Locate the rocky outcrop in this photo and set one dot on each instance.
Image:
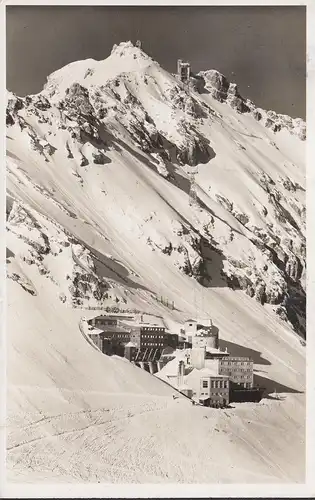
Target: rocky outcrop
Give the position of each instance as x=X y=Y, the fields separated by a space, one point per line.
x=216 y=84
x=23 y=282
x=224 y=91
x=235 y=100
x=77 y=102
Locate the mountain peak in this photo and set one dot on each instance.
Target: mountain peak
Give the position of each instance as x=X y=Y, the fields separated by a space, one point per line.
x=124 y=58
x=127 y=48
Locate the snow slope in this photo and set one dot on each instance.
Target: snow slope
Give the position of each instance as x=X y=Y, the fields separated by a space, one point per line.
x=99 y=216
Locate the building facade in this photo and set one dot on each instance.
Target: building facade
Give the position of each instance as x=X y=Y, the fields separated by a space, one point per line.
x=214 y=391
x=239 y=370
x=205 y=338
x=171 y=340
x=183 y=70
x=117 y=334
x=111 y=340
x=148 y=336
x=109 y=320
x=201 y=333
x=130 y=350
x=197 y=358
x=102 y=321
x=97 y=339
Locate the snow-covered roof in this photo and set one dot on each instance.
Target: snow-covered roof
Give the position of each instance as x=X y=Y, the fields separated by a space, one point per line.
x=130 y=344
x=147 y=325
x=210 y=370
x=115 y=316
x=214 y=350
x=200 y=321
x=115 y=329
x=95 y=331
x=203 y=398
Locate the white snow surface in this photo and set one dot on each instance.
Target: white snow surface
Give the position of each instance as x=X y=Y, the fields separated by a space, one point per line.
x=75 y=414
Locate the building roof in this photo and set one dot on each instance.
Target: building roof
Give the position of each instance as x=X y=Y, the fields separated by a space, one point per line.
x=95 y=331
x=204 y=332
x=214 y=350
x=146 y=319
x=209 y=371
x=237 y=358
x=115 y=329
x=200 y=321
x=115 y=316
x=130 y=344
x=147 y=325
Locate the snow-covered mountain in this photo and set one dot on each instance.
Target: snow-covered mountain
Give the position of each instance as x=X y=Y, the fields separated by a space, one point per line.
x=98 y=217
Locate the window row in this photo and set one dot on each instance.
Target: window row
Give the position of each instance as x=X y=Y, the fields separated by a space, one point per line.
x=236 y=370
x=147 y=336
x=219 y=384
x=146 y=328
x=242 y=363
x=153 y=344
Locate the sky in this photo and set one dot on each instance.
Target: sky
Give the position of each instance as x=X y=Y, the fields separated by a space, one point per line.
x=262 y=49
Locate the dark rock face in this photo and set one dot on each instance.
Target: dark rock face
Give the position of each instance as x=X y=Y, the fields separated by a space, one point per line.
x=196 y=152
x=41 y=103
x=235 y=100
x=197 y=83
x=84 y=161
x=77 y=100
x=84 y=285
x=216 y=84
x=224 y=91
x=15 y=104
x=99 y=158
x=257 y=115
x=9 y=119
x=69 y=152
x=24 y=284
x=280 y=281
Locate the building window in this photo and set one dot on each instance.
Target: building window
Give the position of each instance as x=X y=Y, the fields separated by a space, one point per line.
x=205 y=384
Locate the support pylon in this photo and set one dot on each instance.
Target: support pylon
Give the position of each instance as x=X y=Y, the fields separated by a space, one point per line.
x=193 y=198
